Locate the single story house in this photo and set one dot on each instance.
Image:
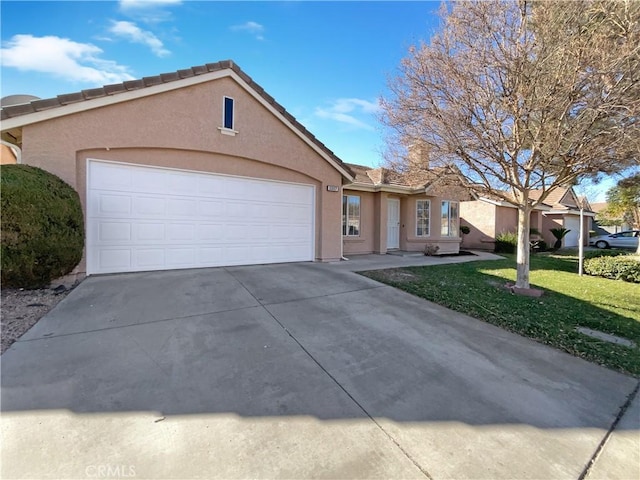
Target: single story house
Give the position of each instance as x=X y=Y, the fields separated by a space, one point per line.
x=201 y=167
x=407 y=211
x=621 y=224
x=487 y=217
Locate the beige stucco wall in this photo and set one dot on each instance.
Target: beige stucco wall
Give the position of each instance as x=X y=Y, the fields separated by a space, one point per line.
x=487 y=220
x=409 y=241
x=364 y=243
x=373 y=225
x=179 y=129
x=506 y=220
x=480 y=217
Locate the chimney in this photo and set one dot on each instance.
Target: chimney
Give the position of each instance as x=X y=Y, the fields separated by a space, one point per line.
x=418 y=158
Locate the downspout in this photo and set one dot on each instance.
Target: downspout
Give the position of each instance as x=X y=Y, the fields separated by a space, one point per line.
x=15 y=149
x=342 y=257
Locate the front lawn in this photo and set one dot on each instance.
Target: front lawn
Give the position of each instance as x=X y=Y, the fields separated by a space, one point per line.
x=477 y=289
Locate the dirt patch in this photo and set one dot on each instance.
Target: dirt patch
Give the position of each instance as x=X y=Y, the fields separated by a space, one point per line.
x=21 y=309
x=396 y=275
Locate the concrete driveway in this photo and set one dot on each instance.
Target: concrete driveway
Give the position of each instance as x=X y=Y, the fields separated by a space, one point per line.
x=298 y=371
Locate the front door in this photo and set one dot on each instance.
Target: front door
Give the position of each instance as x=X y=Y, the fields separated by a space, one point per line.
x=393 y=223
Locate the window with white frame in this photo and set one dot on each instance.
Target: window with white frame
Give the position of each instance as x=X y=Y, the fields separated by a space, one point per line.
x=351 y=215
x=449 y=219
x=422 y=217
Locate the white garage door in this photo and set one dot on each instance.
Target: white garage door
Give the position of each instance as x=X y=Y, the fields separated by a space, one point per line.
x=571 y=239
x=144 y=218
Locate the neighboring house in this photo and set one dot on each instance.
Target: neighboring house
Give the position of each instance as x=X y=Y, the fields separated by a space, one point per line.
x=606 y=229
x=8 y=154
x=201 y=167
x=385 y=210
x=9 y=151
x=488 y=217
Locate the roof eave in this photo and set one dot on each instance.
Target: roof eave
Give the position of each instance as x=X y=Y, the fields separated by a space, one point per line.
x=19 y=121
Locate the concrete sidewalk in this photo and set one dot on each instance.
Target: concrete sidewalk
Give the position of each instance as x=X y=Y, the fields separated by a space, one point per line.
x=297 y=371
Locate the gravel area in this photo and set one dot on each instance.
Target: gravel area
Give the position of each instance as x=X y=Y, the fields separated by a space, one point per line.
x=21 y=309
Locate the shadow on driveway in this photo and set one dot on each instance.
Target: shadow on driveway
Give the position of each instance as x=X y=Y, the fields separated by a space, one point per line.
x=299 y=370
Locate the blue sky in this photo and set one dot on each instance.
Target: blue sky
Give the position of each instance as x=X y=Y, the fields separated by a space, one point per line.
x=327 y=63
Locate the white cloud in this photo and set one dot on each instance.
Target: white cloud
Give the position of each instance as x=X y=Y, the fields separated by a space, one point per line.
x=253 y=28
x=347 y=111
x=149 y=11
x=130 y=31
x=133 y=4
x=63 y=58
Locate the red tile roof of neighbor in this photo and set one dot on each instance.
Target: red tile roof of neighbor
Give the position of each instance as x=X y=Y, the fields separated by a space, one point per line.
x=13 y=111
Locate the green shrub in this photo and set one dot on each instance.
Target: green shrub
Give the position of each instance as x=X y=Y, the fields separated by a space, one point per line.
x=620 y=267
x=506 y=242
x=42 y=227
x=559 y=233
x=610 y=252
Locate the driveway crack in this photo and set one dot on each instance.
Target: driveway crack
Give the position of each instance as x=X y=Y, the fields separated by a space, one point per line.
x=594 y=458
x=334 y=379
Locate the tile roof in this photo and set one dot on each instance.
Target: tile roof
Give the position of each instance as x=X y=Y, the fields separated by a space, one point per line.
x=360 y=173
x=555 y=200
x=599 y=206
x=556 y=197
x=13 y=111
x=414 y=179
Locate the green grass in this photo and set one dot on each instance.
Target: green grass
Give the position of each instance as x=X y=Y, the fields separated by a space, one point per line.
x=477 y=289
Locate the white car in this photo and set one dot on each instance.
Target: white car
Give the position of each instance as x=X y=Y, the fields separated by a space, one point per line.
x=628 y=239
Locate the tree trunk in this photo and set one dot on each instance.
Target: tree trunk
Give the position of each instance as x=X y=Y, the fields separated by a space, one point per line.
x=522 y=279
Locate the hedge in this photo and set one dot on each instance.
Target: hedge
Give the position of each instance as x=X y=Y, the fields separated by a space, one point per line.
x=621 y=267
x=42 y=227
x=506 y=242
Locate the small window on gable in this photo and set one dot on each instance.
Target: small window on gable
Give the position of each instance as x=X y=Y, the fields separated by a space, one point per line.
x=227 y=115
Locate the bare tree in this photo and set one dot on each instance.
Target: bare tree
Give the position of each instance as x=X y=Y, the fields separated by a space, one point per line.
x=523 y=96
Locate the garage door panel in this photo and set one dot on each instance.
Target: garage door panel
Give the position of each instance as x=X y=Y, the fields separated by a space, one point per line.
x=114 y=259
x=181 y=232
x=181 y=184
x=182 y=207
x=572 y=238
x=149 y=206
x=209 y=208
x=150 y=181
x=111 y=177
x=210 y=186
x=105 y=204
x=162 y=219
x=183 y=257
x=211 y=255
x=210 y=232
x=115 y=232
x=145 y=232
x=150 y=257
